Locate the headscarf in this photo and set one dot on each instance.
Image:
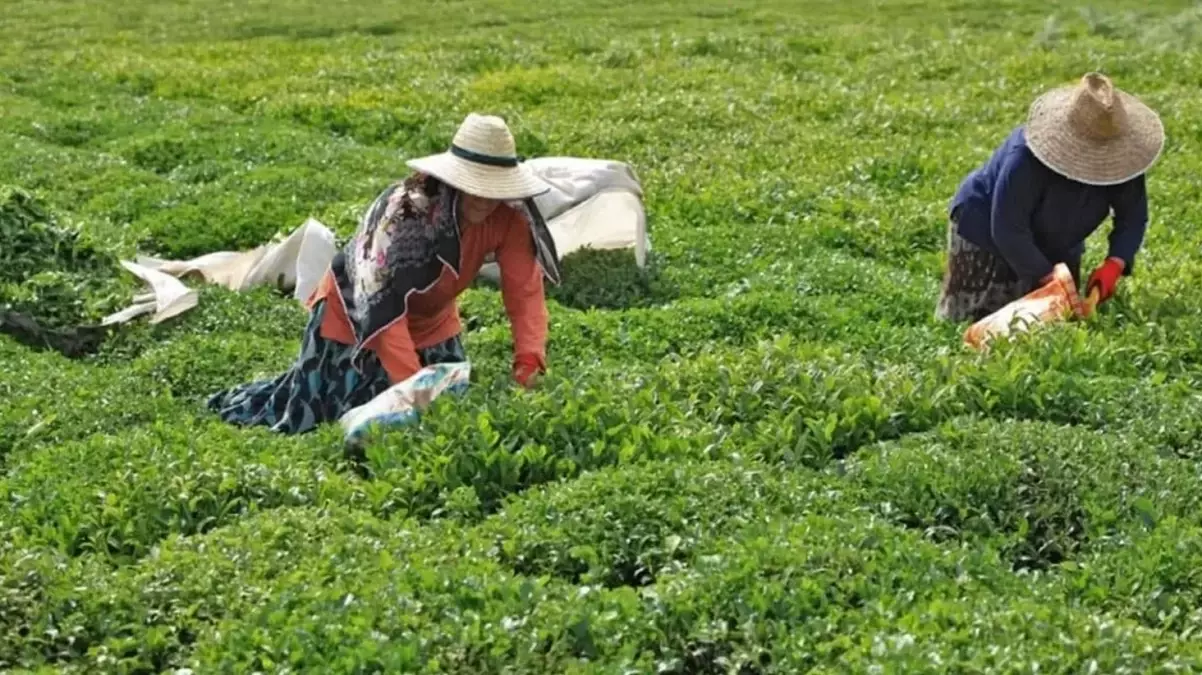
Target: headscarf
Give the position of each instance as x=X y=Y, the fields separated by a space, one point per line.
x=404 y=239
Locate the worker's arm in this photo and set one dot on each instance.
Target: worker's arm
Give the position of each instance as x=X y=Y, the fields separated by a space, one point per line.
x=522 y=292
x=1015 y=196
x=1130 y=205
x=396 y=351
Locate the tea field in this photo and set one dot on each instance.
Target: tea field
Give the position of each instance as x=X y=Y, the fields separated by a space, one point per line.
x=760 y=455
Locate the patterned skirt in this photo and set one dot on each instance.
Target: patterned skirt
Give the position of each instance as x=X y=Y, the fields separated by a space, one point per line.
x=976 y=283
x=319 y=387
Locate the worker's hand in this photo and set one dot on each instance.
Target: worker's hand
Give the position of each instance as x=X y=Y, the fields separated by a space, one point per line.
x=526 y=368
x=1106 y=278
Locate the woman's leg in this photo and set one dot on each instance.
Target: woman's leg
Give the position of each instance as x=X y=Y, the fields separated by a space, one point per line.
x=448 y=351
x=320 y=386
x=976 y=283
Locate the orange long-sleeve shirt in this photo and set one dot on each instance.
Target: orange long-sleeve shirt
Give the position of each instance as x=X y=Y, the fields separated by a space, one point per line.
x=433 y=316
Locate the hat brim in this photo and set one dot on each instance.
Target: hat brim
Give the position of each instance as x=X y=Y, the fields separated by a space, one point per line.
x=1053 y=139
x=505 y=183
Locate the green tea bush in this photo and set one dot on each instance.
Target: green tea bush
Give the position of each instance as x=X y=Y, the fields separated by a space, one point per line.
x=49 y=399
x=447 y=614
x=989 y=635
x=194 y=367
x=29 y=581
x=789 y=595
x=452 y=611
x=497 y=442
x=181 y=476
x=623 y=526
x=148 y=614
x=784 y=597
x=152 y=610
x=827 y=592
x=1037 y=491
x=218 y=221
x=185 y=605
x=653 y=334
x=1150 y=576
x=260 y=313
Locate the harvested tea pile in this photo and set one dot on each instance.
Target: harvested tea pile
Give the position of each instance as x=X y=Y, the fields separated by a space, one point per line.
x=54 y=283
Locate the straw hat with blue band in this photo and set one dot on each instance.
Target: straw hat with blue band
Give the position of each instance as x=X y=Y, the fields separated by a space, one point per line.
x=483 y=161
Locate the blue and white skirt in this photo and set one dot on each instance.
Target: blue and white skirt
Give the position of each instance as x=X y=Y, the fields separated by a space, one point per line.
x=320 y=386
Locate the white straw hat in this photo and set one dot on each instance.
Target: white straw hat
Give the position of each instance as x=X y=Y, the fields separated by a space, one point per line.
x=483 y=161
x=1094 y=133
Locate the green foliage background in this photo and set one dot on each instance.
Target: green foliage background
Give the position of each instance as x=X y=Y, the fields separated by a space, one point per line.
x=760 y=456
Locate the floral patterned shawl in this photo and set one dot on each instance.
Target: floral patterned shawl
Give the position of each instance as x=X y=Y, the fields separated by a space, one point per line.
x=405 y=237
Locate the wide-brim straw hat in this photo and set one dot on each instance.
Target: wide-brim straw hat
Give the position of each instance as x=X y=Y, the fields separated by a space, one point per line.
x=483 y=161
x=1094 y=133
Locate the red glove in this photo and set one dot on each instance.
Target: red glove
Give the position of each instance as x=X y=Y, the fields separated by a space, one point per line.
x=525 y=368
x=1106 y=278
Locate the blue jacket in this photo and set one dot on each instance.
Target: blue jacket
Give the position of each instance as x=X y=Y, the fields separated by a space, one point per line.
x=1016 y=207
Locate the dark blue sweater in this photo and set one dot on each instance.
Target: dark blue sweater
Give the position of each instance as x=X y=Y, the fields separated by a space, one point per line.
x=1016 y=207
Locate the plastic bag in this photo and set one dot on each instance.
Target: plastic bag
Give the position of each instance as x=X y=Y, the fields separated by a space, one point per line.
x=168 y=297
x=1055 y=301
x=403 y=403
x=296 y=263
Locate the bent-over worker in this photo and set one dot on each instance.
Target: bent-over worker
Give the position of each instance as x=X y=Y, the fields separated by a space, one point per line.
x=386 y=308
x=1080 y=157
